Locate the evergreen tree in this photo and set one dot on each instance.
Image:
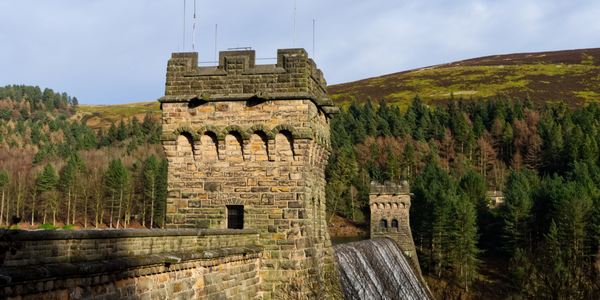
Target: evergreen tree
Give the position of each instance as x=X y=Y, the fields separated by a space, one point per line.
x=460 y=129
x=408 y=158
x=4 y=182
x=465 y=239
x=47 y=180
x=475 y=189
x=150 y=176
x=153 y=138
x=517 y=211
x=148 y=124
x=393 y=168
x=116 y=179
x=122 y=132
x=161 y=193
x=46 y=185
x=66 y=183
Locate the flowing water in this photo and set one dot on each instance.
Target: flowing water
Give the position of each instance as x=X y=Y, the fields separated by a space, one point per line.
x=376 y=269
x=336 y=240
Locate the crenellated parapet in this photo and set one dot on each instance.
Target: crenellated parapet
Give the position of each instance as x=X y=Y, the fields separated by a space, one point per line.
x=239 y=78
x=390 y=207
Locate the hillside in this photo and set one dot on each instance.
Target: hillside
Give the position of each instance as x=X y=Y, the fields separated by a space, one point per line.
x=571 y=76
x=103 y=115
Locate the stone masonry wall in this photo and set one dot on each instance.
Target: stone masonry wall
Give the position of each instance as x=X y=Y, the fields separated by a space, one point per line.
x=133 y=264
x=391 y=203
x=255 y=136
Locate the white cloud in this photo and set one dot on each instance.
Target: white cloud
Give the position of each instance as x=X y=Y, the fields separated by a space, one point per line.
x=116 y=51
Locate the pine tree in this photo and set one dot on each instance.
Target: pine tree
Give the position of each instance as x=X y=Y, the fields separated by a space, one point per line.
x=527 y=103
x=4 y=181
x=393 y=168
x=46 y=185
x=47 y=180
x=474 y=187
x=111 y=135
x=408 y=158
x=460 y=129
x=67 y=178
x=465 y=239
x=122 y=132
x=553 y=150
x=116 y=179
x=161 y=193
x=153 y=138
x=517 y=211
x=150 y=176
x=148 y=124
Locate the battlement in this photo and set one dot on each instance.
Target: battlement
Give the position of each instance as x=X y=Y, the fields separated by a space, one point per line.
x=389 y=188
x=238 y=77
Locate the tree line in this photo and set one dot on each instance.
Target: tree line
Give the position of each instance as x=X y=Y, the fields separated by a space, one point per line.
x=56 y=169
x=544 y=159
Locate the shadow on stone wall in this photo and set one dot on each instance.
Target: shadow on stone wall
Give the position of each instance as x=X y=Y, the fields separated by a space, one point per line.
x=132 y=264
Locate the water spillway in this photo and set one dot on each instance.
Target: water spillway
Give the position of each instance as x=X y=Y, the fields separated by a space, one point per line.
x=376 y=269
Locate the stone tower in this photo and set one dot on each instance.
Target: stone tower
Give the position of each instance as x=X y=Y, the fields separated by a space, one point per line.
x=247 y=147
x=390 y=206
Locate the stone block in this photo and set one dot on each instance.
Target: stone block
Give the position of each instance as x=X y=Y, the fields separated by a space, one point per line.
x=296 y=176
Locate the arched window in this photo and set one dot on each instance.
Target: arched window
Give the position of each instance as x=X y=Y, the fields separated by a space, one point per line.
x=284 y=146
x=185 y=146
x=233 y=147
x=383 y=224
x=210 y=152
x=394 y=223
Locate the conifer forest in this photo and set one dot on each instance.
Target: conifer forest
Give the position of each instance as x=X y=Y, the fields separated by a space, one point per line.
x=543 y=158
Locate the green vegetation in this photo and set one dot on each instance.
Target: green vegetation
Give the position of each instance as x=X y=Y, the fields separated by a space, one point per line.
x=546 y=160
x=568 y=76
x=54 y=165
x=97 y=116
x=47 y=226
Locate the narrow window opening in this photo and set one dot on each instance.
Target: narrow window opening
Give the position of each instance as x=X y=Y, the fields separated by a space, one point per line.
x=383 y=224
x=394 y=223
x=235 y=216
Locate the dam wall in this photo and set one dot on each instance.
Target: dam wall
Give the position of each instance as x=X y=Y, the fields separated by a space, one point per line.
x=131 y=264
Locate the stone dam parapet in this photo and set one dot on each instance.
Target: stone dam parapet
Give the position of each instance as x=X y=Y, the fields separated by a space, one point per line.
x=133 y=264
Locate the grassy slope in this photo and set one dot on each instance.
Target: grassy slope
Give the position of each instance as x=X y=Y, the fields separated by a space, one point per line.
x=102 y=115
x=572 y=76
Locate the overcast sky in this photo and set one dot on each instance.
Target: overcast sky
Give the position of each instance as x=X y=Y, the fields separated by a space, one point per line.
x=113 y=51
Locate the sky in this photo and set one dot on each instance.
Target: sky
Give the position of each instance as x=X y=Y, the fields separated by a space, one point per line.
x=116 y=52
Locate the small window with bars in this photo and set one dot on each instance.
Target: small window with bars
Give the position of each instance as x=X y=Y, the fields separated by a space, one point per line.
x=235 y=216
x=394 y=223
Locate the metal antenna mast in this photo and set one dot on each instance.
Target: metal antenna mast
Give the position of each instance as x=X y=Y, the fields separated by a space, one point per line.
x=294 y=23
x=194 y=34
x=183 y=25
x=216 y=62
x=313 y=39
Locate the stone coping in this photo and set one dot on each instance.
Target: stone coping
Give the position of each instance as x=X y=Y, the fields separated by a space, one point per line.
x=389 y=188
x=60 y=270
x=325 y=104
x=50 y=234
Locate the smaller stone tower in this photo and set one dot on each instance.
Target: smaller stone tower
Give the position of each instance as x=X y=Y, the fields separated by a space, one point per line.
x=390 y=205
